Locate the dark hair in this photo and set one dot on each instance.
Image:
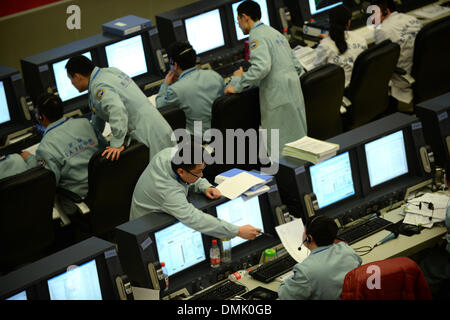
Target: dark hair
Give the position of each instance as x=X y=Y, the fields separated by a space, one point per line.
x=51 y=106
x=323 y=229
x=188 y=161
x=339 y=18
x=250 y=8
x=81 y=65
x=384 y=5
x=447 y=170
x=183 y=54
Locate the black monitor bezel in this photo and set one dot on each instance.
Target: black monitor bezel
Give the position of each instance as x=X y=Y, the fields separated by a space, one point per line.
x=13 y=105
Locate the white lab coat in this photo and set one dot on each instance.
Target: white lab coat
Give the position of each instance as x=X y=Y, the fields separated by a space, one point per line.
x=327 y=52
x=402 y=29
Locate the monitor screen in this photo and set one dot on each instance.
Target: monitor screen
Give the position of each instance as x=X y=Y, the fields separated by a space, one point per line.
x=386 y=158
x=20 y=296
x=264 y=16
x=4 y=110
x=240 y=212
x=64 y=86
x=204 y=31
x=318 y=6
x=179 y=247
x=80 y=283
x=332 y=180
x=128 y=56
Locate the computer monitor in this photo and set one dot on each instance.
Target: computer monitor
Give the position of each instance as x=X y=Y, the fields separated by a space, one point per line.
x=332 y=180
x=128 y=55
x=264 y=16
x=79 y=283
x=386 y=158
x=4 y=110
x=204 y=31
x=179 y=247
x=241 y=211
x=65 y=88
x=19 y=296
x=320 y=6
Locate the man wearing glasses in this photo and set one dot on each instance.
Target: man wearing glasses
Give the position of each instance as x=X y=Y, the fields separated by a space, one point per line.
x=164 y=186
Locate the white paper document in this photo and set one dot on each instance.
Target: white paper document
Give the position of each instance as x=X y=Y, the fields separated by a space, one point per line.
x=313 y=146
x=306 y=56
x=291 y=234
x=145 y=293
x=431 y=11
x=152 y=99
x=439 y=201
x=235 y=186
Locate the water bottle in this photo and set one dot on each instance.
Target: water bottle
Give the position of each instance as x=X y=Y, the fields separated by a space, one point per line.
x=214 y=254
x=165 y=274
x=238 y=275
x=226 y=250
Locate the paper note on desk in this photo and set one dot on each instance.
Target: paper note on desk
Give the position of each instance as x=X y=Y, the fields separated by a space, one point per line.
x=306 y=56
x=32 y=149
x=420 y=206
x=144 y=293
x=235 y=186
x=152 y=99
x=430 y=12
x=290 y=235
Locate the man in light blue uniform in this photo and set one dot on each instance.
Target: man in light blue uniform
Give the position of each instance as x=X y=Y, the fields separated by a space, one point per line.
x=275 y=68
x=192 y=90
x=164 y=185
x=66 y=147
x=321 y=275
x=11 y=164
x=114 y=97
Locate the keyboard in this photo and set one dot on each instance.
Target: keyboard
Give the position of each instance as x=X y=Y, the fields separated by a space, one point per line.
x=272 y=269
x=363 y=230
x=221 y=291
x=228 y=69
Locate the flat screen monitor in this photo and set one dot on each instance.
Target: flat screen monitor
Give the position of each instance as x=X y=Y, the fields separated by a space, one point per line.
x=264 y=16
x=241 y=211
x=204 y=31
x=19 y=296
x=386 y=158
x=79 y=283
x=4 y=110
x=332 y=180
x=64 y=86
x=128 y=56
x=320 y=6
x=179 y=247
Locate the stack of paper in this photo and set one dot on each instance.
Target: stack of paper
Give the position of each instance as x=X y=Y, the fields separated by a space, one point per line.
x=431 y=12
x=257 y=188
x=417 y=211
x=310 y=149
x=306 y=56
x=234 y=186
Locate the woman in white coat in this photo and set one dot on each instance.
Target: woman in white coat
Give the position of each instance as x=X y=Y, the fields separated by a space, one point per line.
x=341 y=47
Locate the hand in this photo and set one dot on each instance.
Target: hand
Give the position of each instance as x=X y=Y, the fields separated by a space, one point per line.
x=171 y=77
x=323 y=35
x=248 y=232
x=239 y=72
x=230 y=90
x=213 y=193
x=113 y=152
x=25 y=155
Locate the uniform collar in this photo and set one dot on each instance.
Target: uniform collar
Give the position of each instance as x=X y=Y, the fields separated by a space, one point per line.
x=185 y=72
x=320 y=249
x=93 y=76
x=256 y=25
x=2 y=158
x=55 y=124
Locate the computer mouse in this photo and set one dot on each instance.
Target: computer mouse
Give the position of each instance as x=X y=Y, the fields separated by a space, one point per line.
x=261 y=295
x=409 y=229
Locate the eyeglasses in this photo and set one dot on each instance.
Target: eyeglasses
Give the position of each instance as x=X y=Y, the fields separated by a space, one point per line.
x=201 y=170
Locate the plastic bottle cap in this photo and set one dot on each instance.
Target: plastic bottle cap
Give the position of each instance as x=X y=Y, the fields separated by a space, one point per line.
x=270 y=253
x=162 y=264
x=214 y=241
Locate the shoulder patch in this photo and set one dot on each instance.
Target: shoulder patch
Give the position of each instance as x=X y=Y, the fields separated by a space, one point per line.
x=253 y=44
x=41 y=162
x=100 y=93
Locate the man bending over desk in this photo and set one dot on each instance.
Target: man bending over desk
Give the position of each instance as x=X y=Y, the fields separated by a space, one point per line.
x=321 y=275
x=11 y=164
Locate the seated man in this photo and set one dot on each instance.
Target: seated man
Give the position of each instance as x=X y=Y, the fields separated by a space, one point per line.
x=66 y=147
x=402 y=29
x=11 y=164
x=192 y=90
x=164 y=186
x=321 y=275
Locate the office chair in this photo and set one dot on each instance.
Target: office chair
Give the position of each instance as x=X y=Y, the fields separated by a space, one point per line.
x=431 y=67
x=368 y=88
x=111 y=186
x=399 y=279
x=323 y=110
x=236 y=111
x=27 y=230
x=174 y=116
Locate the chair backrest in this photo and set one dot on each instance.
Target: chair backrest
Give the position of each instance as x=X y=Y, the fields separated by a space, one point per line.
x=26 y=217
x=236 y=111
x=368 y=89
x=174 y=116
x=111 y=186
x=323 y=110
x=391 y=279
x=431 y=62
